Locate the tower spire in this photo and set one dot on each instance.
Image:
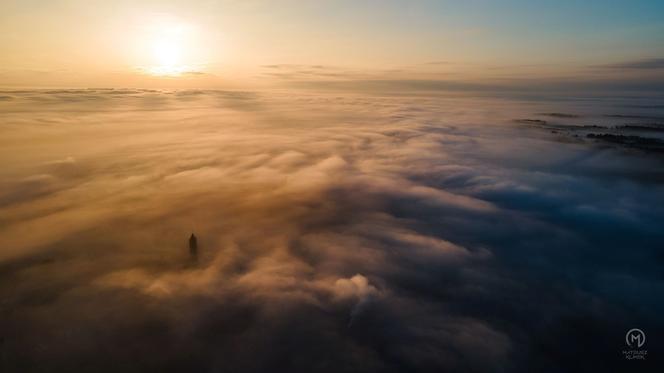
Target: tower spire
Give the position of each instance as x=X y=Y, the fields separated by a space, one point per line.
x=193 y=247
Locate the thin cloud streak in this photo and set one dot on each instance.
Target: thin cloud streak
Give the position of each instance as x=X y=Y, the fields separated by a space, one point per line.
x=643 y=64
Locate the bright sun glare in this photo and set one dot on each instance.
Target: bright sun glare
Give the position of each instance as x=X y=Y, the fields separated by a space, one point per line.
x=169 y=46
x=167 y=53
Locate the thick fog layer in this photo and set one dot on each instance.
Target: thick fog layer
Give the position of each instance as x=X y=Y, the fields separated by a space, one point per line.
x=336 y=233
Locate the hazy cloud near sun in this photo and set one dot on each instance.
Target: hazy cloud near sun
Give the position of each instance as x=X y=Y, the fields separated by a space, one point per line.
x=363 y=229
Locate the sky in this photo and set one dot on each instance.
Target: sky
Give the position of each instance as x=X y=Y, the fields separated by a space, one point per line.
x=234 y=43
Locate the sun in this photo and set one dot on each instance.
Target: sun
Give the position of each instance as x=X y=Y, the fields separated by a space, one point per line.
x=169 y=48
x=167 y=53
x=167 y=58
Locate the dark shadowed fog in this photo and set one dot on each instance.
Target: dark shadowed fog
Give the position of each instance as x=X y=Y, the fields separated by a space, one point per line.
x=336 y=232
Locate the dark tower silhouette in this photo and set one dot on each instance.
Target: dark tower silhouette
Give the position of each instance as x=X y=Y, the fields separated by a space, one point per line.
x=193 y=247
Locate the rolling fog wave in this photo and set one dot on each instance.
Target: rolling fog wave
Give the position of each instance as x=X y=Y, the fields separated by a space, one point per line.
x=358 y=232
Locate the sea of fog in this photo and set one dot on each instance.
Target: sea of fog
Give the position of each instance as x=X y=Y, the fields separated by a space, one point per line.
x=337 y=232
